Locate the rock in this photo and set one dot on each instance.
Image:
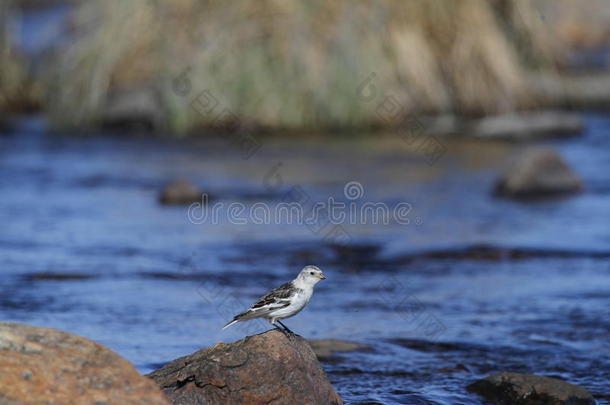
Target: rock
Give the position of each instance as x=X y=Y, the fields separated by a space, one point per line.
x=47 y=276
x=538 y=172
x=325 y=348
x=260 y=369
x=527 y=126
x=180 y=192
x=527 y=389
x=42 y=365
x=132 y=109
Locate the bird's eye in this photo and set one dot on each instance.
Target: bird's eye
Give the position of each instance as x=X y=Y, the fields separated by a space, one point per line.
x=311 y=272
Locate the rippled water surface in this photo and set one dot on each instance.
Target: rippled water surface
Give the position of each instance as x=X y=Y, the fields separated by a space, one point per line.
x=470 y=286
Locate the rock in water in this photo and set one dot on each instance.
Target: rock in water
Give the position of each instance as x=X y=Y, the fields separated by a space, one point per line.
x=528 y=126
x=539 y=172
x=527 y=389
x=42 y=365
x=180 y=192
x=260 y=369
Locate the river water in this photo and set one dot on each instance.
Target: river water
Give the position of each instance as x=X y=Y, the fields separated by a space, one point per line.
x=462 y=285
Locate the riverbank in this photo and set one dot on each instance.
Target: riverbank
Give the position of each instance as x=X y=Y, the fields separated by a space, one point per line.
x=482 y=60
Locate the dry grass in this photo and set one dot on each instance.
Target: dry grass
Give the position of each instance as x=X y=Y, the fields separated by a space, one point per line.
x=291 y=64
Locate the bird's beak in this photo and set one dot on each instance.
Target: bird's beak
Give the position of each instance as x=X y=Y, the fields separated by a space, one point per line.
x=322 y=277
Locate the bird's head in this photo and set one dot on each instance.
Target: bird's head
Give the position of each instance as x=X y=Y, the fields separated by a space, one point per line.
x=311 y=275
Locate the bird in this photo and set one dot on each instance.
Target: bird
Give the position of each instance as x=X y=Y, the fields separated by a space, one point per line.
x=284 y=301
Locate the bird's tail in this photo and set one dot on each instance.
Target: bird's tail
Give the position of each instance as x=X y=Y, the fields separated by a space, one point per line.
x=234 y=321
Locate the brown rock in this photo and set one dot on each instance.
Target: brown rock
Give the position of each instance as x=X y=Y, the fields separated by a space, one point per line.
x=180 y=192
x=527 y=389
x=48 y=366
x=538 y=172
x=259 y=369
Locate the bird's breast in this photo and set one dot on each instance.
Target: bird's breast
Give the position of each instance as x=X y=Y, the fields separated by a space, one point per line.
x=302 y=298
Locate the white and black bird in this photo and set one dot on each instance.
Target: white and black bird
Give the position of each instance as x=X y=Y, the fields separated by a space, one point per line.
x=285 y=301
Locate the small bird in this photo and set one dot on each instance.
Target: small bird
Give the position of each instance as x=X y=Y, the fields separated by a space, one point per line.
x=285 y=301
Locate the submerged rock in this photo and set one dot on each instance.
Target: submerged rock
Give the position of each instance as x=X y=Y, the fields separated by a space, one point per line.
x=325 y=348
x=576 y=91
x=538 y=172
x=527 y=389
x=528 y=126
x=133 y=109
x=259 y=369
x=180 y=192
x=42 y=365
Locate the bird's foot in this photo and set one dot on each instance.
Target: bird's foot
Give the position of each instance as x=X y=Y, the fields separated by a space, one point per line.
x=285 y=332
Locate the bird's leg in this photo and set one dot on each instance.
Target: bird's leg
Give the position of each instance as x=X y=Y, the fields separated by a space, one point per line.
x=285 y=327
x=280 y=329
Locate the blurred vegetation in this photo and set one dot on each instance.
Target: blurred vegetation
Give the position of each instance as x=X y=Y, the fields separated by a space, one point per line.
x=19 y=92
x=297 y=64
x=11 y=68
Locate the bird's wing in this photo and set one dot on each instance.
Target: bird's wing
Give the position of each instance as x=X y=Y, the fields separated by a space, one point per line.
x=276 y=299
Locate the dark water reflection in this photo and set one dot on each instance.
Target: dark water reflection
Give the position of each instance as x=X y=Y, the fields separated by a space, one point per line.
x=471 y=286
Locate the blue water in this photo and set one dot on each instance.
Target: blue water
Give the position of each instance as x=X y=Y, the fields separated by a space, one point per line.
x=472 y=285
